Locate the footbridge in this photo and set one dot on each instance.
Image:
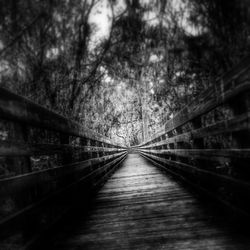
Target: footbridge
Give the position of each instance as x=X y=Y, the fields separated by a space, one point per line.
x=186 y=187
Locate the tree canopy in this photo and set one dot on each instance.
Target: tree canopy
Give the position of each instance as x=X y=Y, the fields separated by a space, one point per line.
x=122 y=67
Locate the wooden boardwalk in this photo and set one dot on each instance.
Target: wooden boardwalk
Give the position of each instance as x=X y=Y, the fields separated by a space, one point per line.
x=141 y=208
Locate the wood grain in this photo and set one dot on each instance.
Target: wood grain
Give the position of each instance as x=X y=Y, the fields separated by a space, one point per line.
x=19 y=109
x=141 y=208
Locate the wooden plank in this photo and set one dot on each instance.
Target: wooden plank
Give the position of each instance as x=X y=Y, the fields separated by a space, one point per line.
x=220 y=179
x=30 y=244
x=238 y=123
x=141 y=208
x=112 y=170
x=231 y=84
x=19 y=109
x=4 y=222
x=214 y=153
x=11 y=148
x=22 y=182
x=197 y=187
x=200 y=107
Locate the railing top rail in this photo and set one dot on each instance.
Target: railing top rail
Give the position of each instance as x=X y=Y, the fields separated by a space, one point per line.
x=14 y=107
x=226 y=87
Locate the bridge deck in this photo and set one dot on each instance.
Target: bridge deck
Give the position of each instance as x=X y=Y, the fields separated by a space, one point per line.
x=141 y=208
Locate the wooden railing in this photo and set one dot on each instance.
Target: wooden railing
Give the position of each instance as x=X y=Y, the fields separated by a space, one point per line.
x=46 y=162
x=208 y=142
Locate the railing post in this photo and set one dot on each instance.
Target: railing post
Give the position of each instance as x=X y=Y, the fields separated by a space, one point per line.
x=21 y=164
x=67 y=154
x=197 y=142
x=239 y=106
x=240 y=139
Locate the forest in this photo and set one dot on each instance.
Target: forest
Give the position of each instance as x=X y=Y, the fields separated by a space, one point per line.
x=119 y=67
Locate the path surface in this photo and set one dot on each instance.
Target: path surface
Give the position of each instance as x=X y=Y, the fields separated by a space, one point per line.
x=141 y=208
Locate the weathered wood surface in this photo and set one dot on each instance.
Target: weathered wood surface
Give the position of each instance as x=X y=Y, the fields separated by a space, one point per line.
x=226 y=88
x=19 y=109
x=208 y=142
x=45 y=159
x=141 y=208
x=8 y=148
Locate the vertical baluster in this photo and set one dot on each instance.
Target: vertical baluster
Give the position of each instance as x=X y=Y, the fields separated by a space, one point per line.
x=66 y=153
x=22 y=164
x=197 y=143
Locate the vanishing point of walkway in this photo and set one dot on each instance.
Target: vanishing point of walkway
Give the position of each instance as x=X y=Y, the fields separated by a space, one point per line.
x=141 y=208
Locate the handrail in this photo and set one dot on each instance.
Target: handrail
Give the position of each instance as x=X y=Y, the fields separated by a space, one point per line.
x=226 y=88
x=208 y=142
x=19 y=109
x=44 y=157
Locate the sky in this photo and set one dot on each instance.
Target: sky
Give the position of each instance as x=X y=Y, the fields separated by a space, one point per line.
x=100 y=17
x=101 y=14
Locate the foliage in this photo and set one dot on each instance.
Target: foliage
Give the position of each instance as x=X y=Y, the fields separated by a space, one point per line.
x=154 y=58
